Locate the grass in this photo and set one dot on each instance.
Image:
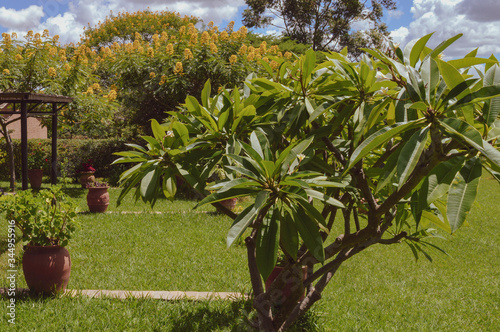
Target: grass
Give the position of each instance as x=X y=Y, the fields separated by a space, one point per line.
x=381 y=289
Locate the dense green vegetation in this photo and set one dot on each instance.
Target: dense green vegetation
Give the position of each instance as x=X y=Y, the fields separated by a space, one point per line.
x=182 y=249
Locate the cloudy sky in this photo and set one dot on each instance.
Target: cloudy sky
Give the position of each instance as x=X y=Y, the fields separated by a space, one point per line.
x=478 y=20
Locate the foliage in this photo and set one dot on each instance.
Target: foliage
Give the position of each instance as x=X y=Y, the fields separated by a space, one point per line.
x=324 y=24
x=154 y=74
x=45 y=218
x=395 y=143
x=37 y=157
x=123 y=27
x=75 y=152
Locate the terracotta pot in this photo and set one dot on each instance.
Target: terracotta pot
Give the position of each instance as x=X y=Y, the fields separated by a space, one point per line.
x=86 y=178
x=35 y=178
x=98 y=199
x=229 y=204
x=46 y=268
x=287 y=290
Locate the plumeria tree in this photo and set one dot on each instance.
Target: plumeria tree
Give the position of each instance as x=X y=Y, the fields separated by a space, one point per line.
x=337 y=157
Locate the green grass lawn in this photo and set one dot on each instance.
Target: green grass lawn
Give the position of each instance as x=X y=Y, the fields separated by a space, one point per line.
x=382 y=289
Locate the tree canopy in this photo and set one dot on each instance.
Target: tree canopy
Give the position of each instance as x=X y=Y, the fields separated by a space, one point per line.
x=325 y=24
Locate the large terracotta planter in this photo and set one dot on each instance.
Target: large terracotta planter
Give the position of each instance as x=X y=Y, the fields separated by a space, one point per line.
x=46 y=269
x=35 y=177
x=86 y=178
x=98 y=199
x=287 y=290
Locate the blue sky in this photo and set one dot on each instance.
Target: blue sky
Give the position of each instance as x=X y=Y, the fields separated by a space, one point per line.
x=479 y=20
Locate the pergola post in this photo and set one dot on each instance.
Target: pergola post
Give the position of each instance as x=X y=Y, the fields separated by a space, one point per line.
x=24 y=144
x=53 y=169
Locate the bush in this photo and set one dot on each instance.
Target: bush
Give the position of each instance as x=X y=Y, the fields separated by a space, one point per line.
x=71 y=153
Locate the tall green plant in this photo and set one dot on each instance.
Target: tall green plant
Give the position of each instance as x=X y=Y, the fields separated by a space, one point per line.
x=395 y=144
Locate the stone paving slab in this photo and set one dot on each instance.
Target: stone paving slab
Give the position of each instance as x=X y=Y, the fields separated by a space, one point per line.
x=162 y=295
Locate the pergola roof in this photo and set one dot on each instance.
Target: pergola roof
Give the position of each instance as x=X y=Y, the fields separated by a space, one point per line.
x=34 y=99
x=17 y=97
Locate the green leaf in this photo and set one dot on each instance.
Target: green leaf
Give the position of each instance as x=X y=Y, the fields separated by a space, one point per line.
x=463 y=192
x=149 y=183
x=231 y=193
x=491 y=108
x=469 y=62
x=267 y=243
x=289 y=236
x=450 y=74
x=309 y=232
x=463 y=131
x=410 y=154
x=442 y=46
x=324 y=198
x=158 y=130
x=205 y=93
x=414 y=48
x=379 y=138
x=246 y=217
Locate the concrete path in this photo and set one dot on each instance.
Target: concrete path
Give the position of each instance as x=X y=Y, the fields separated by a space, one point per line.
x=162 y=295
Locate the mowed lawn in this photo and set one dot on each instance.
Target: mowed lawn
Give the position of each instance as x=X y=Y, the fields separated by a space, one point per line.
x=176 y=248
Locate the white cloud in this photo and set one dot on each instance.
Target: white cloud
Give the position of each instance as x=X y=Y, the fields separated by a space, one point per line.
x=448 y=18
x=396 y=13
x=23 y=19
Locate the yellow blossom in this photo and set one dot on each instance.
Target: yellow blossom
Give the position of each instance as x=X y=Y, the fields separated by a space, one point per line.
x=62 y=52
x=6 y=71
x=210 y=24
x=214 y=38
x=90 y=91
x=243 y=32
x=151 y=52
x=170 y=49
x=178 y=68
x=232 y=59
x=265 y=59
x=224 y=35
x=53 y=51
x=187 y=54
x=52 y=72
x=163 y=79
x=67 y=67
x=45 y=33
x=30 y=33
x=14 y=35
x=263 y=47
x=55 y=38
x=19 y=57
x=96 y=87
x=137 y=36
x=230 y=26
x=251 y=56
x=205 y=38
x=152 y=75
x=220 y=89
x=182 y=30
x=213 y=48
x=164 y=36
x=112 y=95
x=274 y=49
x=243 y=49
x=274 y=64
x=288 y=55
x=193 y=40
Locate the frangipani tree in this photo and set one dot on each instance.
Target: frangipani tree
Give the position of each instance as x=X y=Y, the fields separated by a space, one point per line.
x=393 y=145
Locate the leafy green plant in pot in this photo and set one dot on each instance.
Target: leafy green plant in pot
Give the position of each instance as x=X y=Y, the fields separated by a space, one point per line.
x=37 y=161
x=47 y=221
x=395 y=144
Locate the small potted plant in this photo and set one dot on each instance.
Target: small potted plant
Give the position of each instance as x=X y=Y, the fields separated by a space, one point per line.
x=46 y=220
x=36 y=162
x=98 y=196
x=87 y=173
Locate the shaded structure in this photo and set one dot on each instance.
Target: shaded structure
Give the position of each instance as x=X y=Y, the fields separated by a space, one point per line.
x=26 y=104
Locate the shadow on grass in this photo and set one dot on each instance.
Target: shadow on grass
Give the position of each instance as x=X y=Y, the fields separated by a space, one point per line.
x=75 y=192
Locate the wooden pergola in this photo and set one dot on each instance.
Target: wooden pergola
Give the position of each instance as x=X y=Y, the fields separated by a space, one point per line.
x=27 y=104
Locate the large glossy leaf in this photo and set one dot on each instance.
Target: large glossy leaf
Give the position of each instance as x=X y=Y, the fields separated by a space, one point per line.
x=380 y=137
x=438 y=181
x=430 y=76
x=410 y=154
x=267 y=243
x=245 y=218
x=463 y=131
x=309 y=232
x=289 y=236
x=414 y=48
x=463 y=192
x=491 y=108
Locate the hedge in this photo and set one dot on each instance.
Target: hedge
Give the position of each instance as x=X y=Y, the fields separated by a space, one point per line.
x=71 y=153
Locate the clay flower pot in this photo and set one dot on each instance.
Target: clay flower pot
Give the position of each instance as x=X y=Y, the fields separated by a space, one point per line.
x=86 y=178
x=46 y=268
x=35 y=178
x=98 y=199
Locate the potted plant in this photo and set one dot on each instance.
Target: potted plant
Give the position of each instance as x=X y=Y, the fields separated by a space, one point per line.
x=98 y=196
x=36 y=163
x=86 y=173
x=47 y=221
